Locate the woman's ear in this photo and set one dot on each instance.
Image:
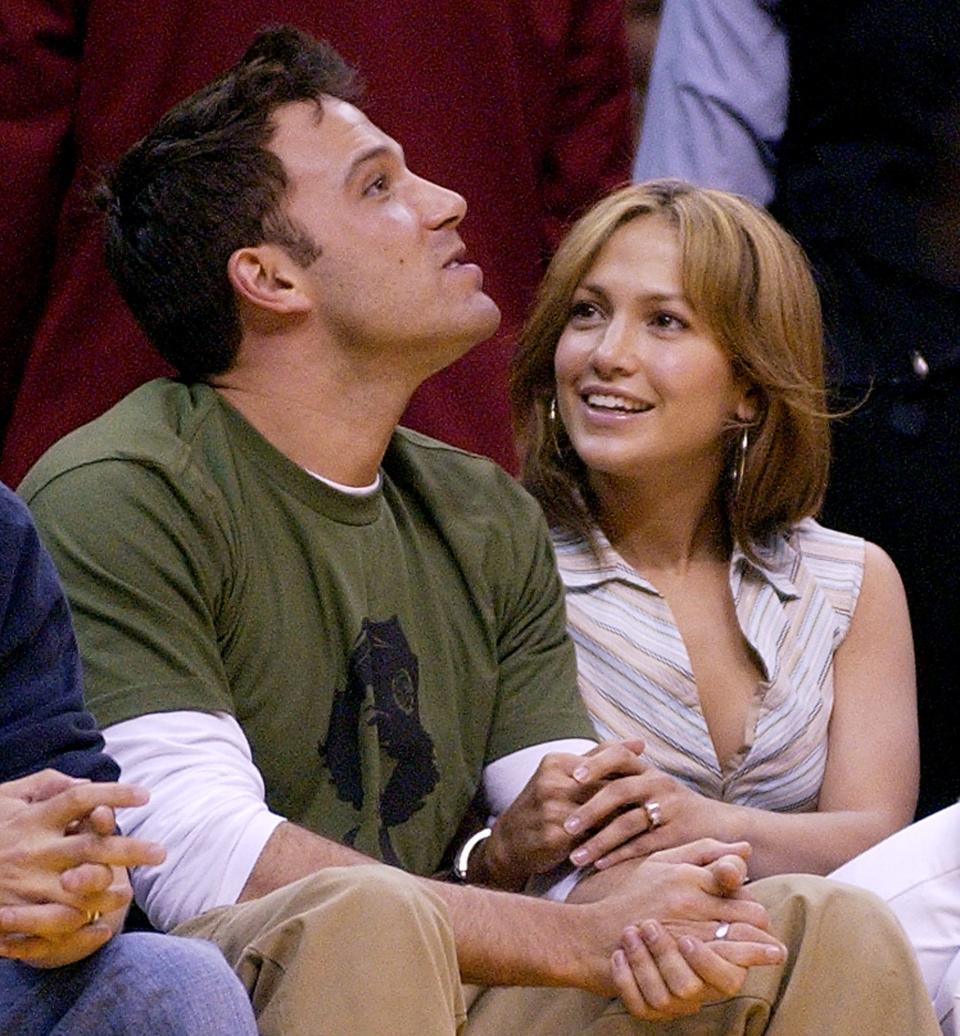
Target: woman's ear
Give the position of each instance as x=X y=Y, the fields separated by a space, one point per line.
x=268 y=278
x=749 y=405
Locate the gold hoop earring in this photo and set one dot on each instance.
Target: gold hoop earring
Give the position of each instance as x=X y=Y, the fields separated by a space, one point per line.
x=740 y=460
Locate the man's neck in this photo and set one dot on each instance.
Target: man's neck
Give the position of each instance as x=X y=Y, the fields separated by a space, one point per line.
x=336 y=428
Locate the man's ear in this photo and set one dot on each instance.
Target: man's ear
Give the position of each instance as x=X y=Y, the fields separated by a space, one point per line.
x=268 y=278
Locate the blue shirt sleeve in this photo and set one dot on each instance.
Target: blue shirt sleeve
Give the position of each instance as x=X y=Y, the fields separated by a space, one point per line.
x=43 y=722
x=716 y=106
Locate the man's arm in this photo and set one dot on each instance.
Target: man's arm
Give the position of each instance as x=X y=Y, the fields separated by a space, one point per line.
x=716 y=107
x=60 y=862
x=506 y=939
x=43 y=722
x=214 y=841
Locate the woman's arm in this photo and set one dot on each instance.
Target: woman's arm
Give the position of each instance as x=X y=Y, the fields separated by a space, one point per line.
x=870 y=783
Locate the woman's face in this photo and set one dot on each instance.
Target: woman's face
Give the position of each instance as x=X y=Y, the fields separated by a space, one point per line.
x=641 y=383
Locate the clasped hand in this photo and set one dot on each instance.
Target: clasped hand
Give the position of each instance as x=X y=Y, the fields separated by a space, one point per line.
x=63 y=883
x=590 y=809
x=660 y=910
x=667 y=960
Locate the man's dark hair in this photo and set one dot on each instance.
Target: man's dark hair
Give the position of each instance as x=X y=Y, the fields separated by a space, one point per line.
x=201 y=185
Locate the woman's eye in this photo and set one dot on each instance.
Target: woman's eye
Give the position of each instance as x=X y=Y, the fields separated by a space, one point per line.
x=668 y=321
x=583 y=311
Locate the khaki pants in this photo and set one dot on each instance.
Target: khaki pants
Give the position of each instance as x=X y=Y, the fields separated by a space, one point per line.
x=366 y=951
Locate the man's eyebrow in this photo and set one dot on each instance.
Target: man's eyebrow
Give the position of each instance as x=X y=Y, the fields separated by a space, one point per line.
x=369 y=155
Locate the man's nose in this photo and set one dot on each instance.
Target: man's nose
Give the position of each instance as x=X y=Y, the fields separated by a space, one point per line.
x=442 y=206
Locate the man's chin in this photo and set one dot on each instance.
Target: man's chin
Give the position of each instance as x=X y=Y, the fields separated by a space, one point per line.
x=490 y=321
x=485 y=323
x=481 y=325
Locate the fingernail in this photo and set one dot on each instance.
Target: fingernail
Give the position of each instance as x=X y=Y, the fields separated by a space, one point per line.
x=775 y=954
x=632 y=938
x=650 y=931
x=581 y=773
x=686 y=945
x=572 y=824
x=619 y=958
x=579 y=856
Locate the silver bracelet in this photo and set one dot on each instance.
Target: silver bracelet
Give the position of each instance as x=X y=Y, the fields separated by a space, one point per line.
x=462 y=860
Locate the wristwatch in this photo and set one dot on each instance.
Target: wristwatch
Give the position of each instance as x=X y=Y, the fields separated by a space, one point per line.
x=462 y=859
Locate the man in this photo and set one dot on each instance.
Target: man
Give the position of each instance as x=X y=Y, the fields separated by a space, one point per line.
x=315 y=637
x=64 y=889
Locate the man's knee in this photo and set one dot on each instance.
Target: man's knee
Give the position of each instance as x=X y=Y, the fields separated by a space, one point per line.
x=372 y=899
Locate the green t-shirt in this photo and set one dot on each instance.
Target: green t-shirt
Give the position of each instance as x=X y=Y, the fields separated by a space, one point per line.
x=378 y=651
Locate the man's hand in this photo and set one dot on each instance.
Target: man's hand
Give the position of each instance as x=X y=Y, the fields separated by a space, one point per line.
x=63 y=883
x=530 y=837
x=660 y=916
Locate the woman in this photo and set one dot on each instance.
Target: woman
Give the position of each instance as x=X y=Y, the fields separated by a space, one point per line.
x=671 y=416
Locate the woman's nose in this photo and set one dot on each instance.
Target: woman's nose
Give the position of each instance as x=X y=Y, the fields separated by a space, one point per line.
x=616 y=351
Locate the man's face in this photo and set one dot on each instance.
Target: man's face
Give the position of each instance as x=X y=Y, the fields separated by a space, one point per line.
x=392 y=278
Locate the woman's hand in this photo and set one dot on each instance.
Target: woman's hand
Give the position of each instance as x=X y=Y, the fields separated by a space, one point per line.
x=530 y=837
x=641 y=814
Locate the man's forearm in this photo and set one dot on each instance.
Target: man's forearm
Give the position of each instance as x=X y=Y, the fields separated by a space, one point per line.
x=502 y=939
x=507 y=939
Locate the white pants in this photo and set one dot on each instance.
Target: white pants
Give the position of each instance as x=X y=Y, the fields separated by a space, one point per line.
x=917 y=872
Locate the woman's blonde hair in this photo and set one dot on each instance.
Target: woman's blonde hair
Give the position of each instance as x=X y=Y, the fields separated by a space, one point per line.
x=749 y=281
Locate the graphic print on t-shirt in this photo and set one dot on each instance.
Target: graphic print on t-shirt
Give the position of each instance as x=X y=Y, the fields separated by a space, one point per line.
x=378 y=714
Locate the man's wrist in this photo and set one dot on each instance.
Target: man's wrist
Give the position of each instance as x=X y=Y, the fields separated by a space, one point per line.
x=467 y=851
x=488 y=865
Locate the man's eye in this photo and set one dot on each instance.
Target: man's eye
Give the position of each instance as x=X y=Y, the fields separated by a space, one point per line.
x=377 y=185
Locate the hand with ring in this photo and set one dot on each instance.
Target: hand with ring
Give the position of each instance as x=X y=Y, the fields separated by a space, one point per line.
x=531 y=836
x=639 y=814
x=692 y=939
x=64 y=888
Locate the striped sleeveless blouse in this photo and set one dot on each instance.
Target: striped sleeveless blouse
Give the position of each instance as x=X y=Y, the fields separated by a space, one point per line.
x=636 y=679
